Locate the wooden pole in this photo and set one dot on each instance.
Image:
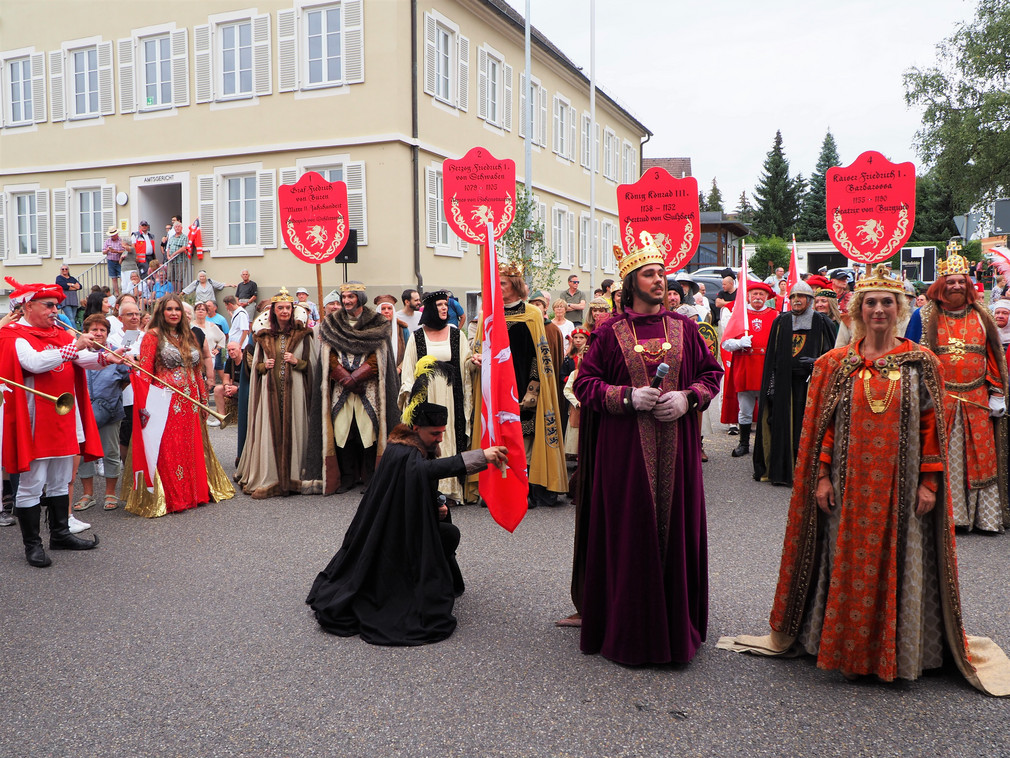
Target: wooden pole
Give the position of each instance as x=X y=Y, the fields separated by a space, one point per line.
x=319 y=289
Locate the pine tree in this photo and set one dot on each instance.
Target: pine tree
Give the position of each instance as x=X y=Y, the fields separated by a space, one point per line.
x=777 y=196
x=812 y=225
x=744 y=210
x=702 y=202
x=714 y=200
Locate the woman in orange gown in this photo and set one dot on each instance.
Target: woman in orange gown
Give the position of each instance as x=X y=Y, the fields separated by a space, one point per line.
x=868 y=579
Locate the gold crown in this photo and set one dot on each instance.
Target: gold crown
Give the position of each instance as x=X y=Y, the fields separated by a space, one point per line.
x=282 y=296
x=352 y=287
x=510 y=268
x=955 y=264
x=880 y=282
x=648 y=253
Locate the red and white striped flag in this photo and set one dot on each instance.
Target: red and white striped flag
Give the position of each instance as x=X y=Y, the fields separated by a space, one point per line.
x=504 y=492
x=737 y=325
x=150 y=414
x=794 y=276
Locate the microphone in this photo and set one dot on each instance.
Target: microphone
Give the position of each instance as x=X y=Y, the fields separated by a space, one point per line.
x=661 y=371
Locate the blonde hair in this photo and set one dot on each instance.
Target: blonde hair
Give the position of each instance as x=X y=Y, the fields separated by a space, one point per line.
x=559 y=301
x=856 y=311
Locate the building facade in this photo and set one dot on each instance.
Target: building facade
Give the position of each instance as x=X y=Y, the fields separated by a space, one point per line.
x=148 y=110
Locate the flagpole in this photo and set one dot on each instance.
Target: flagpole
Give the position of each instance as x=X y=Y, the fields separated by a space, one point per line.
x=319 y=289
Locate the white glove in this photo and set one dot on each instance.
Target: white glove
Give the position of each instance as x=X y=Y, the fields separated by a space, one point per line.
x=644 y=398
x=736 y=345
x=997 y=406
x=671 y=406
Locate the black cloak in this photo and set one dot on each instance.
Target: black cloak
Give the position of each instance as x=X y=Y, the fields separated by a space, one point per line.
x=394 y=579
x=788 y=365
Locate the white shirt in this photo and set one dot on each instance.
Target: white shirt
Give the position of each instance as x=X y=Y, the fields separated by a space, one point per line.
x=239 y=324
x=412 y=322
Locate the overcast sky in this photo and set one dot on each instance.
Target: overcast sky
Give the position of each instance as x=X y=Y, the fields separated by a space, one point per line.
x=714 y=80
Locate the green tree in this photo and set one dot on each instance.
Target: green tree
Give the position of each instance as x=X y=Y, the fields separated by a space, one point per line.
x=934 y=210
x=744 y=210
x=530 y=250
x=812 y=224
x=714 y=200
x=774 y=249
x=702 y=202
x=966 y=98
x=777 y=195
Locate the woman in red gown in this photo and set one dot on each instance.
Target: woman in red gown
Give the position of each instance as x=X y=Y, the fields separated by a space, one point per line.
x=170 y=352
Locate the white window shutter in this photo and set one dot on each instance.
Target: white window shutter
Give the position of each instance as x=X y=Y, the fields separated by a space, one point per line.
x=462 y=245
x=543 y=116
x=571 y=238
x=108 y=206
x=203 y=52
x=266 y=190
x=57 y=93
x=262 y=83
x=463 y=69
x=431 y=207
x=482 y=83
x=555 y=131
x=3 y=226
x=127 y=76
x=572 y=135
x=42 y=223
x=354 y=42
x=61 y=239
x=206 y=190
x=596 y=149
x=430 y=53
x=288 y=176
x=287 y=50
x=522 y=105
x=180 y=67
x=357 y=209
x=106 y=100
x=595 y=245
x=38 y=62
x=508 y=98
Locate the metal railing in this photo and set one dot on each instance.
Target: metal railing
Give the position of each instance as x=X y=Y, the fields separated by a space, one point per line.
x=179 y=273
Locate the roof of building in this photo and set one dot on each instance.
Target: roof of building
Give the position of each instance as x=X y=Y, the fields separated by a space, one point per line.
x=738 y=228
x=678 y=167
x=537 y=37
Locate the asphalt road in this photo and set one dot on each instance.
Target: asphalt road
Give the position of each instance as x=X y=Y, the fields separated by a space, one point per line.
x=188 y=636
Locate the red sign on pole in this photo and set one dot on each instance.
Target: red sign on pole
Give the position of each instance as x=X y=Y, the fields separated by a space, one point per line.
x=314 y=220
x=477 y=189
x=666 y=208
x=871 y=207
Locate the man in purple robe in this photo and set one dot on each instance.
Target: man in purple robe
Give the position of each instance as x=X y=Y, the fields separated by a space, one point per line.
x=644 y=593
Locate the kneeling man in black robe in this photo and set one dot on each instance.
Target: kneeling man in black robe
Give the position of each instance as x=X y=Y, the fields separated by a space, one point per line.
x=395 y=578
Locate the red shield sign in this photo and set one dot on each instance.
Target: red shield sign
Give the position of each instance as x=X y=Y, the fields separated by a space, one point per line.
x=871 y=207
x=476 y=189
x=665 y=207
x=313 y=216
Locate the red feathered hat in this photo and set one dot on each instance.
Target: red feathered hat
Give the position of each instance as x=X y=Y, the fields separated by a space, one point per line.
x=818 y=282
x=24 y=292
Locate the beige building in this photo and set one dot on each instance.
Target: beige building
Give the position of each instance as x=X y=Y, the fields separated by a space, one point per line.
x=119 y=112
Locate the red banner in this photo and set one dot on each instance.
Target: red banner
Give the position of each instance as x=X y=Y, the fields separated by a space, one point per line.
x=666 y=208
x=505 y=492
x=478 y=190
x=314 y=218
x=871 y=207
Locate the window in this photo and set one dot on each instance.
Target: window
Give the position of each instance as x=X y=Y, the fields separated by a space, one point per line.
x=610 y=156
x=446 y=61
x=563 y=235
x=157 y=76
x=628 y=163
x=584 y=241
x=323 y=45
x=437 y=232
x=539 y=111
x=89 y=220
x=26 y=223
x=241 y=193
x=20 y=78
x=609 y=238
x=564 y=128
x=84 y=73
x=319 y=45
x=494 y=89
x=236 y=59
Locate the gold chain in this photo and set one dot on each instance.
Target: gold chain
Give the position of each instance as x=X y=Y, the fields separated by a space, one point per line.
x=878 y=406
x=957 y=351
x=652 y=353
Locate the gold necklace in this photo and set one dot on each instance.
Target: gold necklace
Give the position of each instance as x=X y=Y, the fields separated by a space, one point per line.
x=879 y=406
x=652 y=353
x=955 y=345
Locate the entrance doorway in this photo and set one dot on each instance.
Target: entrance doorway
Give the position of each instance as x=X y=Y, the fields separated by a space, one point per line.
x=157 y=204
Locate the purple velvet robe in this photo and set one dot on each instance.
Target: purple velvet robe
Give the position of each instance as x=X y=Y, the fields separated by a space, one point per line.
x=645 y=597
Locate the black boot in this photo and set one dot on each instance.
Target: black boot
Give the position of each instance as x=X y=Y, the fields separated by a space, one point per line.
x=60 y=537
x=744 y=447
x=347 y=464
x=29 y=519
